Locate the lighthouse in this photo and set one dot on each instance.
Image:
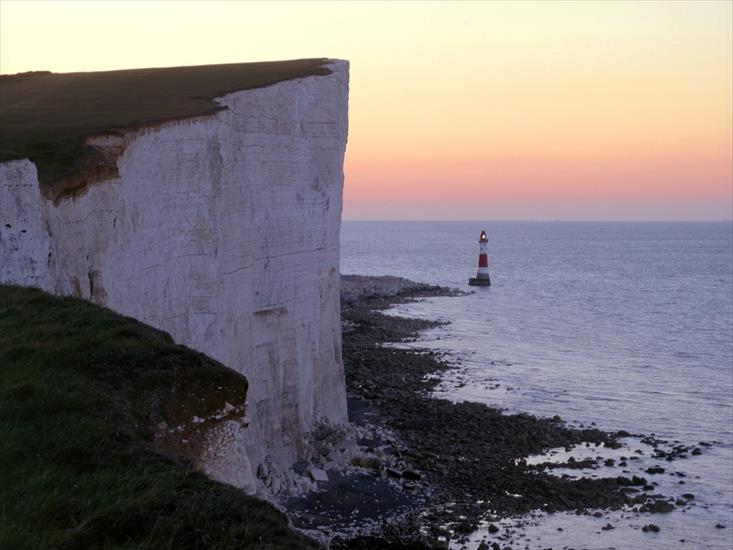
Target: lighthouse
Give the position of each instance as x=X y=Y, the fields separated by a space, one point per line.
x=482 y=277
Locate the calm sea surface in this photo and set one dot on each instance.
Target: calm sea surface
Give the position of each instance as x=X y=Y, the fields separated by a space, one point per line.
x=627 y=325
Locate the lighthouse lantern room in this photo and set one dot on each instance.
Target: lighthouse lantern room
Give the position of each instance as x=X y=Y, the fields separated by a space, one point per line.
x=482 y=277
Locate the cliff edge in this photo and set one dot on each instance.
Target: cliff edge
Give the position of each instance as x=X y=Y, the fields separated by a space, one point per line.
x=53 y=118
x=220 y=228
x=89 y=401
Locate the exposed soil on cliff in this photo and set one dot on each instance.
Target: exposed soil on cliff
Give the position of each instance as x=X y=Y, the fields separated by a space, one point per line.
x=459 y=463
x=47 y=117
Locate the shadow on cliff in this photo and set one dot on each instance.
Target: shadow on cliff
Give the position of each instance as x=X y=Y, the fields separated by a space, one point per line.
x=97 y=442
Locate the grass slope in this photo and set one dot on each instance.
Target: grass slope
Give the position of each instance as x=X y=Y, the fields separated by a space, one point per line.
x=78 y=468
x=45 y=116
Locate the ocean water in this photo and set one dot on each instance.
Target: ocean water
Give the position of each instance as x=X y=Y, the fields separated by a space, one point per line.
x=625 y=325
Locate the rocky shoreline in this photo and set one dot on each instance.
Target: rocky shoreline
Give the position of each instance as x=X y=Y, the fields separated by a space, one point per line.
x=428 y=471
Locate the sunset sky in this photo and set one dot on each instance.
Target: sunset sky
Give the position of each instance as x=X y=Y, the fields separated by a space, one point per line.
x=570 y=110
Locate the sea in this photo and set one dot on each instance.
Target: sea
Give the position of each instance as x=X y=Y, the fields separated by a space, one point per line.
x=618 y=325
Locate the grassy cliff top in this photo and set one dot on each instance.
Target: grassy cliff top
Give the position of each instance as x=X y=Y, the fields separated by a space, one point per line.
x=80 y=387
x=45 y=116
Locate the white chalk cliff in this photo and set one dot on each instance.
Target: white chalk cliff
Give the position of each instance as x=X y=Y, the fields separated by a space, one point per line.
x=222 y=230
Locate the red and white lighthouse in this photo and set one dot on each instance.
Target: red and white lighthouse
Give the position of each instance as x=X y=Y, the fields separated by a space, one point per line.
x=482 y=277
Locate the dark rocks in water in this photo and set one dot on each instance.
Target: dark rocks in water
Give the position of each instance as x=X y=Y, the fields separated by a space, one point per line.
x=636 y=480
x=477 y=446
x=688 y=496
x=412 y=476
x=609 y=462
x=655 y=470
x=651 y=528
x=607 y=527
x=439 y=531
x=466 y=527
x=571 y=464
x=464 y=452
x=661 y=507
x=597 y=514
x=719 y=526
x=696 y=451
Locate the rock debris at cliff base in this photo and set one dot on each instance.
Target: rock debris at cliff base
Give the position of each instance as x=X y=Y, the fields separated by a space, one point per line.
x=460 y=464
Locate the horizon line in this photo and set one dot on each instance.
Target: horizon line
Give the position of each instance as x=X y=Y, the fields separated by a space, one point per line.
x=531 y=220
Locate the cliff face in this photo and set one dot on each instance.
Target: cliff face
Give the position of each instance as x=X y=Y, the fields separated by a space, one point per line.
x=222 y=230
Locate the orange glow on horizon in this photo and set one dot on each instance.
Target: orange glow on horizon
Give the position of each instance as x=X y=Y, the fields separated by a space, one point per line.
x=482 y=110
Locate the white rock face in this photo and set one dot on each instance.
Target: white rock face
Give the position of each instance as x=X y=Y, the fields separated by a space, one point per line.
x=223 y=231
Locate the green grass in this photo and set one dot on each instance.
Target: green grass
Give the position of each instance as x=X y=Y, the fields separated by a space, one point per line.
x=79 y=388
x=45 y=116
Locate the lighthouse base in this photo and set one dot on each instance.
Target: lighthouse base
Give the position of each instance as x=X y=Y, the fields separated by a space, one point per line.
x=474 y=281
